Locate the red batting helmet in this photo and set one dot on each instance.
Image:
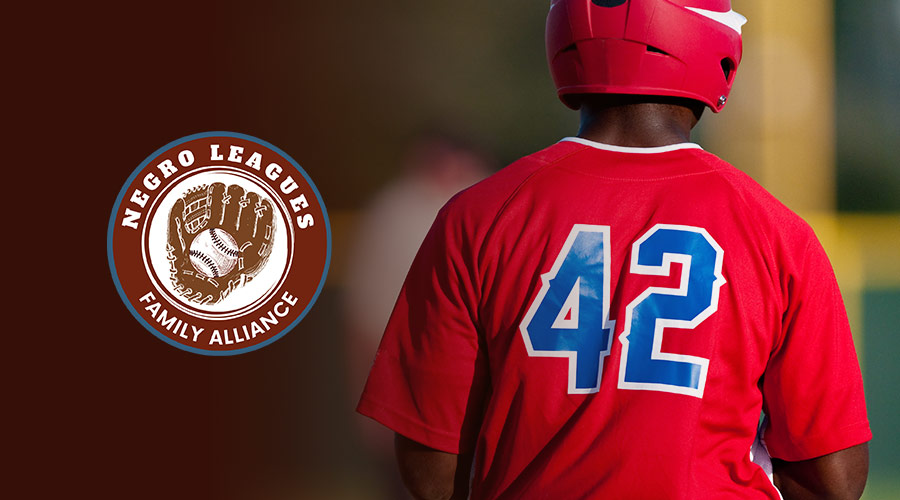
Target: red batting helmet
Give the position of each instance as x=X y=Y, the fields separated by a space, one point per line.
x=680 y=48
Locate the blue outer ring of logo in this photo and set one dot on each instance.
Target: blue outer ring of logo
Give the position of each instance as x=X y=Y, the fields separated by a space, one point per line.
x=115 y=211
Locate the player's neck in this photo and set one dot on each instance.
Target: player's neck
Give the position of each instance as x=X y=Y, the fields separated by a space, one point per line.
x=624 y=122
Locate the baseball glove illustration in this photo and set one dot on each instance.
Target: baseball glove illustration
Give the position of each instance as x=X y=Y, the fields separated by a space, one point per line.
x=219 y=238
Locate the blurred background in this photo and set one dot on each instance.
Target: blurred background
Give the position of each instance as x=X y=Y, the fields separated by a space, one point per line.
x=391 y=107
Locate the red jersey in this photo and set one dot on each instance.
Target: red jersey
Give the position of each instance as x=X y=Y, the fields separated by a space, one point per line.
x=606 y=322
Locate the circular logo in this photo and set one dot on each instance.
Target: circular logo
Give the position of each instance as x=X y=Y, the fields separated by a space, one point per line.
x=219 y=243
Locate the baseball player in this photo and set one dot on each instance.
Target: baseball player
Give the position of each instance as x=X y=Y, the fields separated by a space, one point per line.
x=610 y=316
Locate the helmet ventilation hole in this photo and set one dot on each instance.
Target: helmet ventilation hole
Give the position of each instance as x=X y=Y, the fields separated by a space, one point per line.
x=727 y=68
x=651 y=48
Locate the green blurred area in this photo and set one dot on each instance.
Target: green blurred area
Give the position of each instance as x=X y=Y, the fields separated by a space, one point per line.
x=867 y=74
x=867 y=63
x=882 y=486
x=881 y=375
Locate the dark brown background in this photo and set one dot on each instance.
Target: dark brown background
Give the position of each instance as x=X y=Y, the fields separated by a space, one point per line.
x=100 y=407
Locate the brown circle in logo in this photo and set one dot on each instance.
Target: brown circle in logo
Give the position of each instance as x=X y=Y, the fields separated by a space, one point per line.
x=219 y=243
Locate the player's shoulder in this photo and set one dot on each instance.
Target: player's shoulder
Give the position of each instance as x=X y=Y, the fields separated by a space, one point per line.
x=763 y=210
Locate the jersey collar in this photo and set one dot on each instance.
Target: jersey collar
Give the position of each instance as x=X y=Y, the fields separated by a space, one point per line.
x=626 y=149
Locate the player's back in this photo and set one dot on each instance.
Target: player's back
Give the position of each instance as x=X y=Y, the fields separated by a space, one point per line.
x=605 y=322
x=630 y=299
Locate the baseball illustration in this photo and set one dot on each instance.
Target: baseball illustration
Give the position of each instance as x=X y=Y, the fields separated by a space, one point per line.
x=214 y=253
x=219 y=238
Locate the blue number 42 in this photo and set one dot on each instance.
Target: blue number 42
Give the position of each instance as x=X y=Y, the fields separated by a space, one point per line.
x=569 y=317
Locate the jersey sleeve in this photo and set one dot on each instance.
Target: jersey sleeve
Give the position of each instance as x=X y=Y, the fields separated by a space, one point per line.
x=812 y=387
x=428 y=378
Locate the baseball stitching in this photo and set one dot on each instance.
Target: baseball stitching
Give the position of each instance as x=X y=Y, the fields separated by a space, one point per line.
x=206 y=260
x=221 y=246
